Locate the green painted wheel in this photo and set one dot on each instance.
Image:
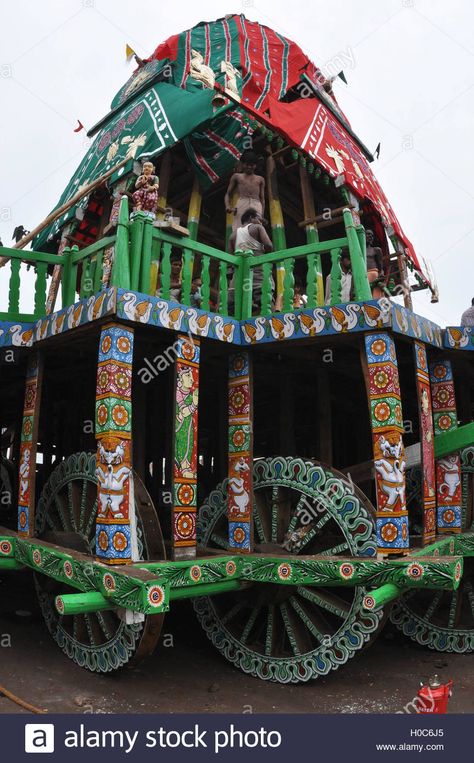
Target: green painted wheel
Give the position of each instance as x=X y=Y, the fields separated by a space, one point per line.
x=444 y=620
x=282 y=633
x=65 y=515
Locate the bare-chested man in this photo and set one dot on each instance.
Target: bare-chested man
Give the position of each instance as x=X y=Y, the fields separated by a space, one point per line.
x=374 y=264
x=249 y=187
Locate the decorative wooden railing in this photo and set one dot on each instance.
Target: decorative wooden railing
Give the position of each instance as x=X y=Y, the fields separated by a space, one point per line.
x=141 y=257
x=17 y=287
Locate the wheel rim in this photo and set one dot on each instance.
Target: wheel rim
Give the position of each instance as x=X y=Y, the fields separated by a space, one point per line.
x=444 y=620
x=282 y=633
x=65 y=515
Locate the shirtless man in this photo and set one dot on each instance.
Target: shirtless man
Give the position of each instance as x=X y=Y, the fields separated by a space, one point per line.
x=249 y=187
x=374 y=263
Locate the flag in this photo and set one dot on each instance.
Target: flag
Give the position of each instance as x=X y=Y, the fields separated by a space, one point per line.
x=129 y=52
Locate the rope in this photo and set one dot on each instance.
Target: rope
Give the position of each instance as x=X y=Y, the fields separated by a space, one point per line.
x=21 y=702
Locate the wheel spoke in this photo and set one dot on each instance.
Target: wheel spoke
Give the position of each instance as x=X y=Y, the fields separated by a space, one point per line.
x=258 y=521
x=335 y=550
x=83 y=507
x=306 y=620
x=452 y=609
x=328 y=601
x=61 y=513
x=220 y=541
x=270 y=630
x=232 y=612
x=314 y=530
x=275 y=512
x=289 y=630
x=249 y=625
x=91 y=520
x=433 y=605
x=71 y=505
x=105 y=625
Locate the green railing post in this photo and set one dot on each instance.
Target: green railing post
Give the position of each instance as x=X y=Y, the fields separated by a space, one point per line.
x=336 y=276
x=145 y=268
x=69 y=277
x=137 y=226
x=14 y=287
x=288 y=284
x=40 y=290
x=359 y=270
x=121 y=267
x=246 y=285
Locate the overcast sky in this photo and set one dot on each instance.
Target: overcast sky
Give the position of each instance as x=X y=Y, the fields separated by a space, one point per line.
x=410 y=86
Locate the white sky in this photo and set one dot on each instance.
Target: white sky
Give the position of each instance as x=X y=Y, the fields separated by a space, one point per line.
x=411 y=88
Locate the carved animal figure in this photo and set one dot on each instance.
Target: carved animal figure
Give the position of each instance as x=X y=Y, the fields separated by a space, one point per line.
x=136 y=311
x=224 y=331
x=236 y=483
x=112 y=477
x=392 y=481
x=254 y=332
x=450 y=475
x=312 y=324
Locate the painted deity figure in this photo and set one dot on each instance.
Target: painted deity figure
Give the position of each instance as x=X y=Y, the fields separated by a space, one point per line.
x=24 y=475
x=200 y=71
x=186 y=404
x=145 y=197
x=449 y=473
x=112 y=474
x=391 y=473
x=239 y=489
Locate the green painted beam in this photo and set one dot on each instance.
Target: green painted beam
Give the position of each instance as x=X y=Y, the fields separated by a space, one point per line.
x=456 y=439
x=10 y=564
x=462 y=544
x=80 y=603
x=206 y=589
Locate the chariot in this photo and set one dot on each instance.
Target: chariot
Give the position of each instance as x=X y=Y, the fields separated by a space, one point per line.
x=300 y=471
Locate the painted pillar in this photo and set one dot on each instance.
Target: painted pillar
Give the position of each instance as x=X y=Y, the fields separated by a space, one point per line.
x=240 y=491
x=448 y=469
x=28 y=445
x=383 y=389
x=312 y=235
x=425 y=417
x=185 y=447
x=278 y=226
x=194 y=211
x=116 y=537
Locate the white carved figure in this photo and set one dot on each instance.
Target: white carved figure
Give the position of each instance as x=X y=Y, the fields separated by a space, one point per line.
x=112 y=477
x=200 y=71
x=392 y=482
x=451 y=478
x=24 y=474
x=239 y=493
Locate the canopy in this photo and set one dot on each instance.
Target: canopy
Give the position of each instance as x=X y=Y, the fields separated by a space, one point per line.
x=148 y=115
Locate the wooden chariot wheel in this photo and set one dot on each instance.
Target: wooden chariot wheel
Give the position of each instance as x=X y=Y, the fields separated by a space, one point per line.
x=443 y=620
x=295 y=633
x=65 y=515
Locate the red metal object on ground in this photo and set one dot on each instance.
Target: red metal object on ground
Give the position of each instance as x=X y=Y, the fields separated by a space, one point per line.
x=434 y=697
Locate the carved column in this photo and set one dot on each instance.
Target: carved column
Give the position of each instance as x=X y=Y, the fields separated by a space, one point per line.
x=383 y=389
x=240 y=491
x=116 y=538
x=448 y=469
x=28 y=445
x=185 y=447
x=428 y=492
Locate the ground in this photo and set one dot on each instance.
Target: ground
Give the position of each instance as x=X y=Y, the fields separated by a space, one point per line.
x=191 y=676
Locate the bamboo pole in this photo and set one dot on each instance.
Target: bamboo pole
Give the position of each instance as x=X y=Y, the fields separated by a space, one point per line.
x=53 y=216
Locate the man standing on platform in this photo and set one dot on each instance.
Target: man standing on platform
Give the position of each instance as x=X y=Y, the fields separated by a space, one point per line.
x=252 y=236
x=249 y=187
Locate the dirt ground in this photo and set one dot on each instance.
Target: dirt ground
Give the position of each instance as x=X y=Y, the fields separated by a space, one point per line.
x=191 y=676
